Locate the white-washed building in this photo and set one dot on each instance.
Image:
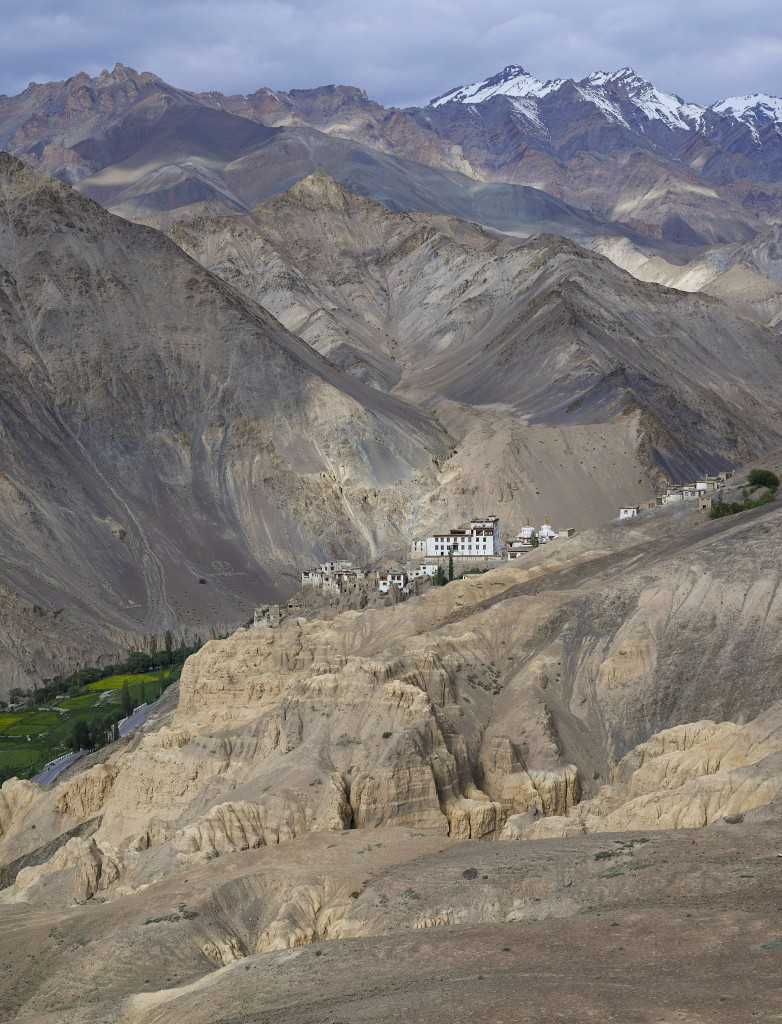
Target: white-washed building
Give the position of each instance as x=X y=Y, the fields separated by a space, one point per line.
x=424 y=569
x=673 y=495
x=525 y=540
x=628 y=511
x=480 y=540
x=392 y=578
x=709 y=484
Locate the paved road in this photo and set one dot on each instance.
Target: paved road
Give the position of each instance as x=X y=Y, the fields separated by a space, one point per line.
x=51 y=771
x=136 y=719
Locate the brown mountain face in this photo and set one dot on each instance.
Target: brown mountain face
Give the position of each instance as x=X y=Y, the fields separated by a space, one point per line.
x=171 y=453
x=542 y=333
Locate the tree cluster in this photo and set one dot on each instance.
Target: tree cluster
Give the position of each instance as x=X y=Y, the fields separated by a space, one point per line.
x=756 y=478
x=135 y=663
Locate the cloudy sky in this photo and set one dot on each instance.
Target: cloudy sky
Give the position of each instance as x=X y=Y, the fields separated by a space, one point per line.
x=401 y=52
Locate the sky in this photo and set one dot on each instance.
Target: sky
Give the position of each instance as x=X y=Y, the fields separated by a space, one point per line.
x=402 y=53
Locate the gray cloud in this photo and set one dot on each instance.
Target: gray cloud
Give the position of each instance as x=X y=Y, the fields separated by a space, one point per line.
x=403 y=52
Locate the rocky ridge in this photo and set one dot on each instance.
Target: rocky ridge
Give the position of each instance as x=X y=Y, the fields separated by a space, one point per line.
x=748 y=276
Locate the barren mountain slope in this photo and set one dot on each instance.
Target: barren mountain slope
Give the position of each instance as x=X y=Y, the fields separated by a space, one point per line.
x=483 y=709
x=170 y=451
x=748 y=277
x=688 y=916
x=544 y=331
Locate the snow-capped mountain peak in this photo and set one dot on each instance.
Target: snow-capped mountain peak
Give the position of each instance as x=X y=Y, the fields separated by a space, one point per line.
x=610 y=91
x=512 y=81
x=656 y=105
x=624 y=75
x=758 y=107
x=622 y=96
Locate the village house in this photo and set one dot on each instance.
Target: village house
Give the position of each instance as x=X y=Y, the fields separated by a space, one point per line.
x=629 y=511
x=690 y=492
x=424 y=569
x=338 y=577
x=392 y=578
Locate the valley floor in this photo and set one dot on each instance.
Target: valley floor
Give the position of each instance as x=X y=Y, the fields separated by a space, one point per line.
x=641 y=927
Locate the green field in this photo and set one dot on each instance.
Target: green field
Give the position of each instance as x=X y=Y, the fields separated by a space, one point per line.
x=115 y=682
x=28 y=723
x=31 y=738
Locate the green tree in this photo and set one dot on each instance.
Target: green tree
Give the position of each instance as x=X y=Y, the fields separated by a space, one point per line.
x=127 y=702
x=169 y=642
x=439 y=579
x=763 y=478
x=450 y=564
x=80 y=735
x=137 y=661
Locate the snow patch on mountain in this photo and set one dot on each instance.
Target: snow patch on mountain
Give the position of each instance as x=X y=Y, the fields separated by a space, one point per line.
x=528 y=108
x=598 y=97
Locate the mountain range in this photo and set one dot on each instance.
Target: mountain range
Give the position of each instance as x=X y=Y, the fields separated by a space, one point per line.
x=612 y=146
